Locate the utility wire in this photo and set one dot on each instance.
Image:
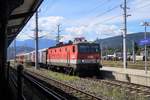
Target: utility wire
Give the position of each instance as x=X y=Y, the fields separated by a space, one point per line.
x=114 y=17
x=95 y=8
x=100 y=5
x=143 y=6
x=111 y=18
x=109 y=10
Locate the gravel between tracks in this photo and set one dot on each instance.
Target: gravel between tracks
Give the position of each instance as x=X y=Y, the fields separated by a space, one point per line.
x=96 y=88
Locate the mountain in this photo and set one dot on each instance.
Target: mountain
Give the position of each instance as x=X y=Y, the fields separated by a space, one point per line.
x=116 y=42
x=28 y=46
x=19 y=49
x=43 y=43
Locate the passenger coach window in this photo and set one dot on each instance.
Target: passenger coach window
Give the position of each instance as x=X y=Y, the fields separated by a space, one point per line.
x=73 y=48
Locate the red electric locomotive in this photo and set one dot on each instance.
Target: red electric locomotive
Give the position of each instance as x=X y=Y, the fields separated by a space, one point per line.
x=79 y=57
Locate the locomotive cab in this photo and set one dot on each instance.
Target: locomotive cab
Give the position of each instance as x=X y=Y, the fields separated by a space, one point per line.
x=88 y=57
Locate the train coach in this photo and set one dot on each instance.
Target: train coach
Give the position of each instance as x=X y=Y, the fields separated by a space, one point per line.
x=42 y=57
x=23 y=58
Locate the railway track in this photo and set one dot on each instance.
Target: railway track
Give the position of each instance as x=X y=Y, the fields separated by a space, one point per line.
x=73 y=89
x=67 y=88
x=130 y=87
x=82 y=90
x=43 y=88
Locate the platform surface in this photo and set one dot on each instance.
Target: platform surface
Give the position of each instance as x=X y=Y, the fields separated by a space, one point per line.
x=126 y=71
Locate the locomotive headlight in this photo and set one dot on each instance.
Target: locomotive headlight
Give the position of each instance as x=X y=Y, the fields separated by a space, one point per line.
x=82 y=61
x=97 y=60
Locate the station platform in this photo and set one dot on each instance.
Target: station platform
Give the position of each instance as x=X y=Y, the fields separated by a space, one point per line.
x=128 y=75
x=127 y=71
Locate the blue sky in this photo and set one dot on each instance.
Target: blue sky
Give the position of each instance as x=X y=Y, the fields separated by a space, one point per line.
x=87 y=18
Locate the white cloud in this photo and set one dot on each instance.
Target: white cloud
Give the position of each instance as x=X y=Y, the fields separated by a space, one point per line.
x=91 y=32
x=89 y=27
x=76 y=30
x=47 y=28
x=23 y=37
x=139 y=10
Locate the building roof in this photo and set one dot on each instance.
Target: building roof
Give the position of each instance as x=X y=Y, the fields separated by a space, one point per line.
x=20 y=16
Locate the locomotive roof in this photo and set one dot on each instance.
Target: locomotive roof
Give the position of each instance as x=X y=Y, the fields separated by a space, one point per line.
x=72 y=44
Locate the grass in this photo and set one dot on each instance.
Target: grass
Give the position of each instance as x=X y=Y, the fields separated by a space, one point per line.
x=112 y=92
x=53 y=75
x=130 y=64
x=61 y=76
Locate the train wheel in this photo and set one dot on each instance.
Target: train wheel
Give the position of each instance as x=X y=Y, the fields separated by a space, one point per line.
x=76 y=73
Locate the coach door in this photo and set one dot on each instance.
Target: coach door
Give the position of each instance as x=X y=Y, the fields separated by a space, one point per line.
x=68 y=57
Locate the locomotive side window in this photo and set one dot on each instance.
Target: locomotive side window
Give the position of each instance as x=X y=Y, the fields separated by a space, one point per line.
x=73 y=48
x=66 y=49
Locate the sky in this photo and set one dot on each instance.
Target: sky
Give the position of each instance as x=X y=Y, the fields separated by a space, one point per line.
x=91 y=19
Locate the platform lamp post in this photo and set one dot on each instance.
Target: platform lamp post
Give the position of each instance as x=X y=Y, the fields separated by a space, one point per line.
x=145 y=24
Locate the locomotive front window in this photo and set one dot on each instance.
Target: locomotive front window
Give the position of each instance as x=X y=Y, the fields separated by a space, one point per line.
x=84 y=48
x=89 y=48
x=94 y=48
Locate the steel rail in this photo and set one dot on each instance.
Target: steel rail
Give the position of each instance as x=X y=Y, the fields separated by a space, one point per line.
x=93 y=97
x=42 y=87
x=127 y=85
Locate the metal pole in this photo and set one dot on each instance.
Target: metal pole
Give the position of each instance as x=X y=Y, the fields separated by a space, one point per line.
x=145 y=52
x=58 y=35
x=101 y=52
x=36 y=41
x=133 y=51
x=106 y=53
x=124 y=37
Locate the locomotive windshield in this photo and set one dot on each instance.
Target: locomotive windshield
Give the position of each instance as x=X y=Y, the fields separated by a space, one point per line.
x=88 y=48
x=84 y=48
x=94 y=48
